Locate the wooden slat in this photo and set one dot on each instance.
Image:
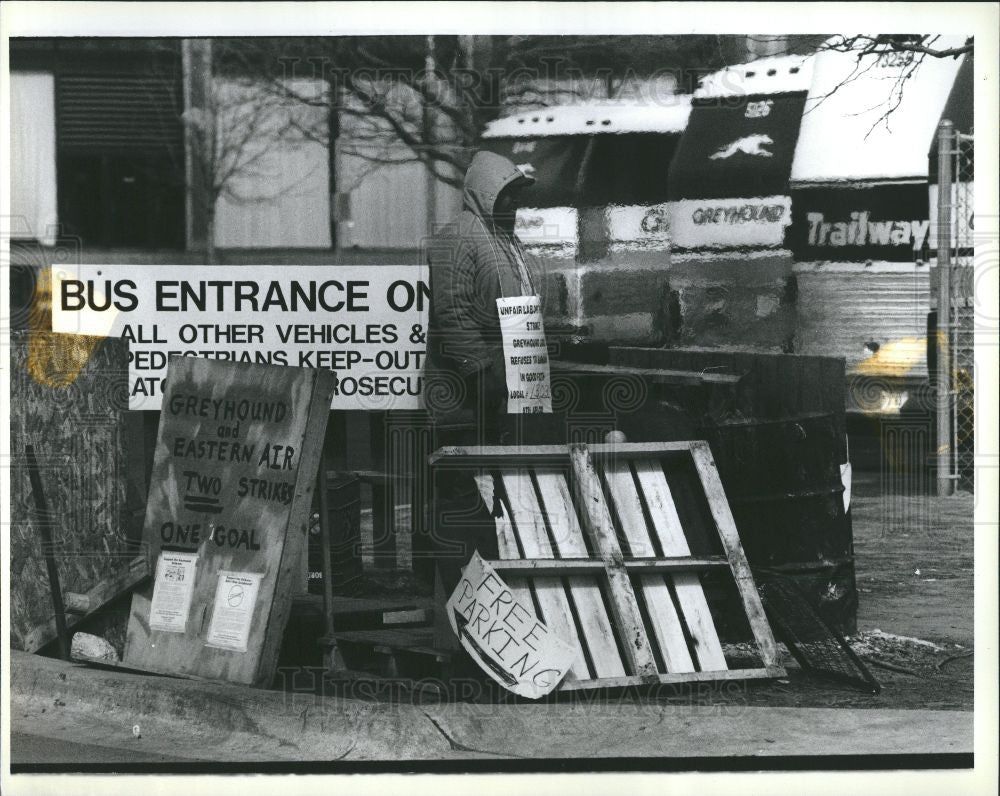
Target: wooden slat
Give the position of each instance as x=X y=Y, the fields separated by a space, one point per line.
x=723 y=517
x=506 y=542
x=656 y=375
x=596 y=519
x=678 y=677
x=371 y=476
x=663 y=616
x=552 y=598
x=536 y=455
x=107 y=590
x=586 y=593
x=690 y=595
x=591 y=566
x=416 y=641
x=499 y=454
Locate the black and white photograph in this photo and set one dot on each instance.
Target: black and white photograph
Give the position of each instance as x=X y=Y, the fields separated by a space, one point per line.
x=602 y=394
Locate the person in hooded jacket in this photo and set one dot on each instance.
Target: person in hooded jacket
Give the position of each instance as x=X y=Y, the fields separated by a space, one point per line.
x=473 y=261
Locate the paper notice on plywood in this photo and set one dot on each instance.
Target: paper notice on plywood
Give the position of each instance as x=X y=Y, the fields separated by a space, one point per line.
x=504 y=636
x=172 y=591
x=235 y=598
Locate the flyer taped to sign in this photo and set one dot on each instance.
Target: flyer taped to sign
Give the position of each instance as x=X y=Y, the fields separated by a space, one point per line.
x=525 y=355
x=235 y=598
x=172 y=591
x=504 y=636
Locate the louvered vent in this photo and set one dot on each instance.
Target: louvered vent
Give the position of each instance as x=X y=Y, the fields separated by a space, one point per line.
x=118 y=111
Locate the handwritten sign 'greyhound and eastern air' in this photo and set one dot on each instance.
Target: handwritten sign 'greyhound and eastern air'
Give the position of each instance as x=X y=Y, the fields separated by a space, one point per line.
x=233 y=474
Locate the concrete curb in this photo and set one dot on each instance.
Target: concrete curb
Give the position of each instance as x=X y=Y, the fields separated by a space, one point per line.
x=210 y=721
x=226 y=723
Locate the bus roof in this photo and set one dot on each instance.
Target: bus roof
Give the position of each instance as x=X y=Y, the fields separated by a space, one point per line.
x=872 y=119
x=668 y=115
x=778 y=74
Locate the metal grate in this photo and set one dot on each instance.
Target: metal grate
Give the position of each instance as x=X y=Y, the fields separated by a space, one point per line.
x=119 y=112
x=817 y=647
x=956 y=310
x=962 y=330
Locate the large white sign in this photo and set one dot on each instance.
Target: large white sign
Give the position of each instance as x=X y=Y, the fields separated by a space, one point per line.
x=503 y=634
x=730 y=223
x=366 y=323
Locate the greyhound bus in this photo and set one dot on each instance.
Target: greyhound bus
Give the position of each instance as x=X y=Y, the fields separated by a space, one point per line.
x=601 y=174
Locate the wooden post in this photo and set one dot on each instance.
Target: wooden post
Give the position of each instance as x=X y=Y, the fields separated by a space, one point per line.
x=422 y=561
x=332 y=660
x=596 y=519
x=343 y=496
x=383 y=499
x=726 y=525
x=945 y=141
x=45 y=521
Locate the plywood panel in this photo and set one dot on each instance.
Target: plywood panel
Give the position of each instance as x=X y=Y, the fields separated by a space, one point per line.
x=67 y=397
x=235 y=467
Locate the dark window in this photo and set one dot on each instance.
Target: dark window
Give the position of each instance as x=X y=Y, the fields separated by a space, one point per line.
x=120 y=147
x=593 y=170
x=121 y=199
x=628 y=169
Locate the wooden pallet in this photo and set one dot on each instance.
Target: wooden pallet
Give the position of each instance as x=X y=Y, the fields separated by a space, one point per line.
x=593 y=536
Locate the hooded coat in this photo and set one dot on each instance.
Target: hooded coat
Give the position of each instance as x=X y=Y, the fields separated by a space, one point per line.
x=474 y=261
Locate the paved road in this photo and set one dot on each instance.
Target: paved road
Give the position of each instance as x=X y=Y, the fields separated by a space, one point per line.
x=30 y=749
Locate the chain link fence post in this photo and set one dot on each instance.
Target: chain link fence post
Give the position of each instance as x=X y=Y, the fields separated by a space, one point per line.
x=944 y=431
x=963 y=315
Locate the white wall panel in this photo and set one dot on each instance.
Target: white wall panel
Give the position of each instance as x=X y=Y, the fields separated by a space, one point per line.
x=280 y=194
x=33 y=155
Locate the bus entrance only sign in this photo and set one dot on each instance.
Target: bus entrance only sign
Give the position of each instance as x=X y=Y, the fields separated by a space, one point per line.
x=366 y=323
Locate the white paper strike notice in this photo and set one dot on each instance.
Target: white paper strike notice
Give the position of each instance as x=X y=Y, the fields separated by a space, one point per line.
x=503 y=634
x=172 y=591
x=525 y=354
x=235 y=598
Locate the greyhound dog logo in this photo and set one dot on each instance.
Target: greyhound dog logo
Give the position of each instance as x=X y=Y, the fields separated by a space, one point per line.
x=748 y=145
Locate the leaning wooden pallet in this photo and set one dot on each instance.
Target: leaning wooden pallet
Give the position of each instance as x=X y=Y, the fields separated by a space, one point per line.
x=593 y=536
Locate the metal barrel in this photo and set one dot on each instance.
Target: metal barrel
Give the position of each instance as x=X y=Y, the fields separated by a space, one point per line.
x=782 y=479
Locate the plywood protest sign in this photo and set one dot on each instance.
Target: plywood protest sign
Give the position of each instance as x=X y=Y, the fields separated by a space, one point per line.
x=235 y=465
x=503 y=635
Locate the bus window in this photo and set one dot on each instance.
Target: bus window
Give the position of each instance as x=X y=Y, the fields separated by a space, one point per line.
x=628 y=169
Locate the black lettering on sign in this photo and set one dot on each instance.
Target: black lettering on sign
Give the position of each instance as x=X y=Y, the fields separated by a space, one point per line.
x=235 y=538
x=277 y=457
x=76 y=294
